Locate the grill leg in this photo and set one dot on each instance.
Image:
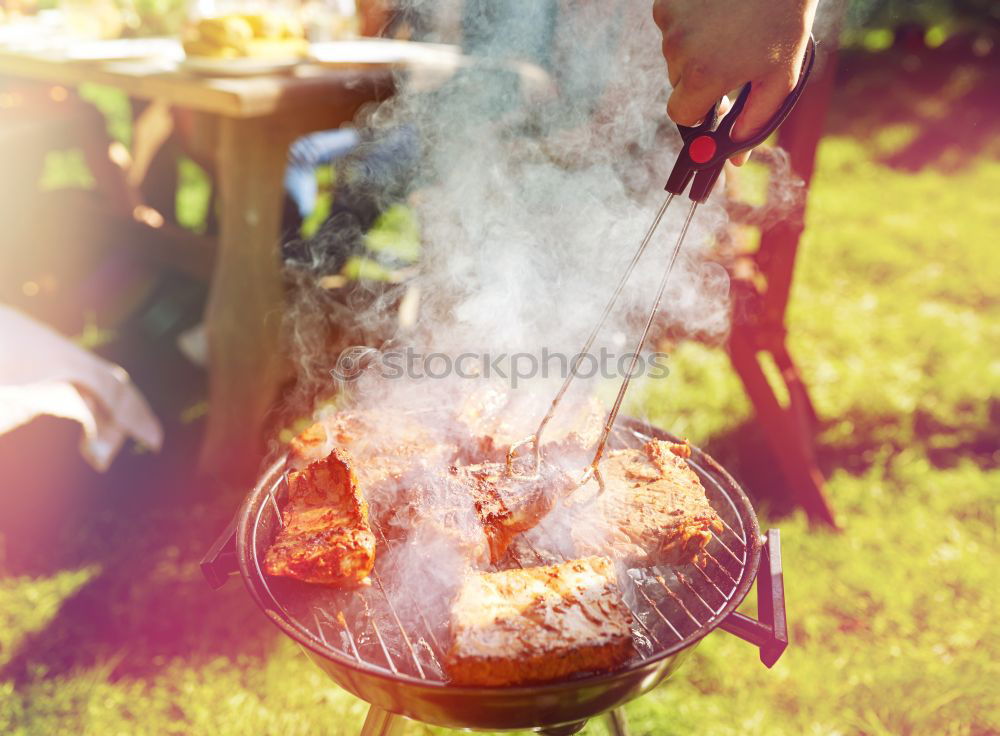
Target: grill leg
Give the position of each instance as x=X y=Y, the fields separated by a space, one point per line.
x=567 y=729
x=617 y=722
x=380 y=722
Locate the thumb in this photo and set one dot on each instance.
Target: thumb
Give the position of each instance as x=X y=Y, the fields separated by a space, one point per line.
x=690 y=103
x=766 y=96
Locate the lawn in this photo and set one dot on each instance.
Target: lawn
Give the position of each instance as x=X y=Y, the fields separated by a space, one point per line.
x=894 y=319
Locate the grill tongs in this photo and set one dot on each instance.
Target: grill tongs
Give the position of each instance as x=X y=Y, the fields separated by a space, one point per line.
x=706 y=147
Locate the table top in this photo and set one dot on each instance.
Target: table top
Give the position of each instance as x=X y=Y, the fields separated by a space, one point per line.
x=308 y=84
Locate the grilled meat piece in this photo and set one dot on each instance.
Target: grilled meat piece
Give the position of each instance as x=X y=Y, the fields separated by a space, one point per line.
x=438 y=512
x=538 y=624
x=480 y=407
x=482 y=508
x=325 y=537
x=310 y=445
x=495 y=421
x=506 y=505
x=653 y=512
x=395 y=440
x=390 y=453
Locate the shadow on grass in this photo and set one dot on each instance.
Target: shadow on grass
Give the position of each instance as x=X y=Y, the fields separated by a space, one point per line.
x=148 y=602
x=143 y=526
x=745 y=453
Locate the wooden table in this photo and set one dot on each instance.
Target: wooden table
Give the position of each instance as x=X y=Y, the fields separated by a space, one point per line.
x=251 y=122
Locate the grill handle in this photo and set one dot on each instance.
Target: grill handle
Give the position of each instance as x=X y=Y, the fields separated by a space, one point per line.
x=220 y=560
x=770 y=631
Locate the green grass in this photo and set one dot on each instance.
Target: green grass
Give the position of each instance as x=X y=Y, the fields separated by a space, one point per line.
x=894 y=320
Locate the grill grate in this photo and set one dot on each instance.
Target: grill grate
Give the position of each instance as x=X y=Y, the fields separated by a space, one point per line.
x=668 y=606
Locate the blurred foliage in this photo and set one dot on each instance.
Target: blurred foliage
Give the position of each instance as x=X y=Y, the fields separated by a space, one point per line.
x=935 y=83
x=981 y=15
x=194 y=195
x=65 y=169
x=93 y=336
x=143 y=17
x=114 y=105
x=359 y=268
x=396 y=234
x=154 y=17
x=325 y=180
x=29 y=604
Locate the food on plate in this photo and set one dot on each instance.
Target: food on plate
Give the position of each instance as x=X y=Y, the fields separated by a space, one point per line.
x=653 y=510
x=538 y=624
x=325 y=536
x=245 y=35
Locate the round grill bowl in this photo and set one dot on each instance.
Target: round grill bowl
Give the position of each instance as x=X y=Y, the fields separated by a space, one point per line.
x=671 y=618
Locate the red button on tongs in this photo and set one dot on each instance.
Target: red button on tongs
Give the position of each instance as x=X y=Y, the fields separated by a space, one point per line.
x=709 y=144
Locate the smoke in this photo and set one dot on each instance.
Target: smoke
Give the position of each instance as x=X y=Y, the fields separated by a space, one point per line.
x=531 y=197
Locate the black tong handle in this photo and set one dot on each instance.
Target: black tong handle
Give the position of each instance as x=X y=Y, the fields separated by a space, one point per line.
x=220 y=561
x=770 y=632
x=708 y=145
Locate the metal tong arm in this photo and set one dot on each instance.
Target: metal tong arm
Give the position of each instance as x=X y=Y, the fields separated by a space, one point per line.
x=706 y=148
x=708 y=145
x=536 y=439
x=594 y=469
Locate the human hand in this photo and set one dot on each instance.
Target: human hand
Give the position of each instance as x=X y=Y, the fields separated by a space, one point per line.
x=714 y=46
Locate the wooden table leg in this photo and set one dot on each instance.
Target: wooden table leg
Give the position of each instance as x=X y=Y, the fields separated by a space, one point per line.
x=245 y=305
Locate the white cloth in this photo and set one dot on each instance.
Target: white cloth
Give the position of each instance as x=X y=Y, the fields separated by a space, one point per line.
x=42 y=372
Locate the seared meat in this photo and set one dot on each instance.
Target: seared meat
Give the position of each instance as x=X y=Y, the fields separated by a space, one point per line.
x=325 y=536
x=493 y=418
x=394 y=440
x=313 y=443
x=481 y=508
x=653 y=510
x=480 y=407
x=390 y=452
x=538 y=624
x=506 y=505
x=437 y=511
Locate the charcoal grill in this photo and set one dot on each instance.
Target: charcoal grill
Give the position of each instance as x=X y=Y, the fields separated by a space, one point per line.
x=396 y=666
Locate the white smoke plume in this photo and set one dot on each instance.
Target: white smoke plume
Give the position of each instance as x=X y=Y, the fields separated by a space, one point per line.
x=530 y=202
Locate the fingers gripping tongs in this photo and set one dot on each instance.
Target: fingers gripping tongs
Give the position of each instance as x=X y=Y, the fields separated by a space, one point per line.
x=706 y=147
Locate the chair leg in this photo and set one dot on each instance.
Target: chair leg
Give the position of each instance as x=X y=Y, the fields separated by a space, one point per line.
x=797 y=392
x=789 y=440
x=617 y=722
x=380 y=722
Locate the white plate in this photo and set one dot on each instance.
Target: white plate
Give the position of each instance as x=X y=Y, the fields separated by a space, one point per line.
x=125 y=49
x=380 y=52
x=245 y=66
